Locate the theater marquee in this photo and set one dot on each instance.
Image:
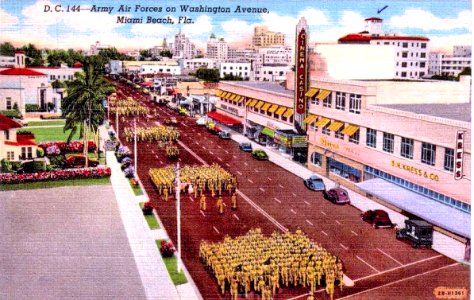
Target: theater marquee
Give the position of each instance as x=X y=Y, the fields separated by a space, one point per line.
x=458 y=158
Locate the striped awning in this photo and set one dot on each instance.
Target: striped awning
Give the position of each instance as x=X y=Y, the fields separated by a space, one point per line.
x=273 y=108
x=280 y=110
x=322 y=122
x=224 y=94
x=288 y=113
x=350 y=130
x=232 y=97
x=335 y=126
x=311 y=92
x=309 y=119
x=239 y=98
x=323 y=94
x=254 y=101
x=247 y=102
x=266 y=106
x=259 y=104
x=219 y=93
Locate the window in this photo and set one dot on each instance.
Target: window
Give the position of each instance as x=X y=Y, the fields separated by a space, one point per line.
x=340 y=101
x=388 y=141
x=448 y=159
x=422 y=65
x=7 y=134
x=404 y=74
x=405 y=45
x=327 y=102
x=406 y=149
x=405 y=54
x=423 y=45
x=338 y=134
x=404 y=64
x=23 y=152
x=316 y=159
x=355 y=137
x=355 y=103
x=9 y=103
x=314 y=100
x=428 y=153
x=30 y=152
x=371 y=138
x=326 y=131
x=10 y=155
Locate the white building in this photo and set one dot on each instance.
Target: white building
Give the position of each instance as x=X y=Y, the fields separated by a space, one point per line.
x=61 y=73
x=235 y=69
x=271 y=72
x=217 y=49
x=135 y=54
x=116 y=66
x=7 y=61
x=451 y=65
x=196 y=63
x=411 y=51
x=95 y=49
x=154 y=69
x=241 y=55
x=182 y=47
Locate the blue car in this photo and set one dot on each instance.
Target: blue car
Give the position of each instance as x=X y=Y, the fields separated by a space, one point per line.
x=247 y=147
x=315 y=183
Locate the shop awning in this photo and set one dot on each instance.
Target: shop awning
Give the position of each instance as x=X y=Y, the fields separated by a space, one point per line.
x=252 y=104
x=280 y=110
x=247 y=102
x=322 y=122
x=266 y=106
x=309 y=119
x=229 y=95
x=323 y=94
x=350 y=130
x=335 y=126
x=232 y=97
x=436 y=213
x=288 y=113
x=268 y=132
x=311 y=92
x=219 y=93
x=223 y=94
x=259 y=104
x=273 y=108
x=226 y=120
x=239 y=98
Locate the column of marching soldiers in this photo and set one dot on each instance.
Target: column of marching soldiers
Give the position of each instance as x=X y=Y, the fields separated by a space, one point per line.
x=253 y=262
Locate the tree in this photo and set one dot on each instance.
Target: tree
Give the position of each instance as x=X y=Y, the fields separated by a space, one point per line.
x=7 y=49
x=210 y=75
x=144 y=54
x=33 y=55
x=82 y=106
x=465 y=71
x=166 y=53
x=232 y=77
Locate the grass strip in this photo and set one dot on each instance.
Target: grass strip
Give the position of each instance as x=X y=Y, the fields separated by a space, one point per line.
x=170 y=262
x=54 y=184
x=151 y=220
x=47 y=123
x=50 y=134
x=137 y=190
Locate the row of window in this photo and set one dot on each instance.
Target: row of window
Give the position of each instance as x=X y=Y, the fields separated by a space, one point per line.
x=235 y=73
x=355 y=102
x=405 y=44
x=413 y=54
x=54 y=77
x=418 y=189
x=405 y=64
x=404 y=74
x=354 y=138
x=237 y=68
x=261 y=111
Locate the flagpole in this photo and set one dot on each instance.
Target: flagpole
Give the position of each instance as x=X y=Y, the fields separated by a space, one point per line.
x=178 y=219
x=135 y=144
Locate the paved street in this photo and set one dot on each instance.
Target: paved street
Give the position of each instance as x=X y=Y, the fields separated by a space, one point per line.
x=65 y=243
x=274 y=199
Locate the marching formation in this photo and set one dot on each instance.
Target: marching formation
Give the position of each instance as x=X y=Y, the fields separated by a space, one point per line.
x=211 y=178
x=253 y=262
x=127 y=107
x=151 y=134
x=172 y=151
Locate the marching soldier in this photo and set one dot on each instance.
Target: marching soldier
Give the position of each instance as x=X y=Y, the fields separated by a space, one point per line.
x=165 y=194
x=220 y=205
x=234 y=201
x=202 y=203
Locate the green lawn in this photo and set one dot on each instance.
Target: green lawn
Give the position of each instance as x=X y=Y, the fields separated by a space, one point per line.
x=53 y=184
x=137 y=190
x=50 y=134
x=47 y=123
x=151 y=220
x=170 y=262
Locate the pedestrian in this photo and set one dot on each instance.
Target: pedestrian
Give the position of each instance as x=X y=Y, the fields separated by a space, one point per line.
x=234 y=202
x=202 y=203
x=220 y=205
x=165 y=194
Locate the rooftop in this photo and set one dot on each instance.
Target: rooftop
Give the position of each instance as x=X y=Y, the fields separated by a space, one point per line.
x=357 y=38
x=265 y=86
x=453 y=111
x=21 y=72
x=6 y=123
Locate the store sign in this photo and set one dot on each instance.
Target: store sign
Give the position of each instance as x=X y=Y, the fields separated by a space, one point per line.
x=414 y=170
x=301 y=70
x=459 y=153
x=299 y=141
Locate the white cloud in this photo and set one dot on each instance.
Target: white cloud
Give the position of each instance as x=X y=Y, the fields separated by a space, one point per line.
x=7 y=19
x=237 y=31
x=446 y=43
x=152 y=30
x=425 y=20
x=202 y=27
x=314 y=17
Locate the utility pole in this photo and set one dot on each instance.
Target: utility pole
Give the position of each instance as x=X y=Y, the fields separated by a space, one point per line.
x=135 y=145
x=178 y=218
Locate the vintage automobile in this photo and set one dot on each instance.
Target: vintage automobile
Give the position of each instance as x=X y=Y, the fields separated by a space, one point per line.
x=171 y=121
x=225 y=135
x=419 y=232
x=201 y=122
x=246 y=147
x=259 y=154
x=315 y=183
x=378 y=218
x=337 y=196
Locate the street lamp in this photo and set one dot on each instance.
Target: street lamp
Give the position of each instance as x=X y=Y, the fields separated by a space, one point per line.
x=178 y=218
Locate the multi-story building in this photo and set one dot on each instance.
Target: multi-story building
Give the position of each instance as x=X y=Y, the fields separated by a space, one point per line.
x=132 y=66
x=262 y=37
x=7 y=61
x=236 y=69
x=217 y=49
x=95 y=49
x=155 y=51
x=271 y=72
x=182 y=47
x=241 y=55
x=13 y=146
x=411 y=51
x=196 y=63
x=451 y=65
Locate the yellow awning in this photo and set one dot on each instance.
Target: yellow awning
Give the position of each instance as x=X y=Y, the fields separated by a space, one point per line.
x=233 y=97
x=273 y=108
x=259 y=104
x=219 y=93
x=223 y=94
x=311 y=92
x=322 y=122
x=254 y=101
x=239 y=98
x=350 y=130
x=288 y=113
x=323 y=94
x=309 y=119
x=229 y=95
x=266 y=106
x=247 y=102
x=280 y=110
x=335 y=126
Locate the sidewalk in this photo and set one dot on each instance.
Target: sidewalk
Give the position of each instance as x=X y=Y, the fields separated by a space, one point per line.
x=441 y=242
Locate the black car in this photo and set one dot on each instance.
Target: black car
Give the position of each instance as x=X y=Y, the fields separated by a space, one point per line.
x=378 y=218
x=246 y=147
x=224 y=135
x=419 y=232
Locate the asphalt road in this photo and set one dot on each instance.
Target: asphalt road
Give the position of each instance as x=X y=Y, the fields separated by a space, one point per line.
x=274 y=199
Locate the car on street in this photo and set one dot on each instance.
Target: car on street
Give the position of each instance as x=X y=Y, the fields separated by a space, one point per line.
x=378 y=218
x=259 y=154
x=225 y=135
x=337 y=196
x=246 y=147
x=419 y=232
x=315 y=183
x=79 y=161
x=201 y=122
x=171 y=121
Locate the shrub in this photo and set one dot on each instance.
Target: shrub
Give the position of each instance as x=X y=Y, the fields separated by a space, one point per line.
x=147 y=208
x=11 y=113
x=31 y=107
x=51 y=117
x=53 y=150
x=167 y=249
x=39 y=152
x=6 y=165
x=58 y=161
x=129 y=172
x=10 y=178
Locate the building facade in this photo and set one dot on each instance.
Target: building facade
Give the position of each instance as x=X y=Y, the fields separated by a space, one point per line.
x=235 y=69
x=154 y=69
x=217 y=49
x=196 y=63
x=262 y=37
x=182 y=47
x=449 y=65
x=13 y=146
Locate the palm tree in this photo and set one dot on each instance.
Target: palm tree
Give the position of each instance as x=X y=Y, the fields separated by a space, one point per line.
x=82 y=106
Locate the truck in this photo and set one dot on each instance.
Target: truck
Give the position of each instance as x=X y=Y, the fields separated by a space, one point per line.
x=418 y=232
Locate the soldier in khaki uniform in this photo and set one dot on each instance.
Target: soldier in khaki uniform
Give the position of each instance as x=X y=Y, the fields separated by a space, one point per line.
x=202 y=203
x=220 y=205
x=234 y=201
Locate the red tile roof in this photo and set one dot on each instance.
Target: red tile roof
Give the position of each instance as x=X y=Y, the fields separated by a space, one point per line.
x=23 y=140
x=6 y=123
x=373 y=19
x=21 y=72
x=357 y=38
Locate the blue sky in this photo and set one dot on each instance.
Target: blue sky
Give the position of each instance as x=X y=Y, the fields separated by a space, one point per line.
x=446 y=23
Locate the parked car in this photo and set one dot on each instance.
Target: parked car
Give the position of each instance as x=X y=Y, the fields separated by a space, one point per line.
x=225 y=135
x=79 y=161
x=315 y=183
x=337 y=196
x=201 y=121
x=378 y=218
x=246 y=147
x=171 y=121
x=419 y=232
x=259 y=154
